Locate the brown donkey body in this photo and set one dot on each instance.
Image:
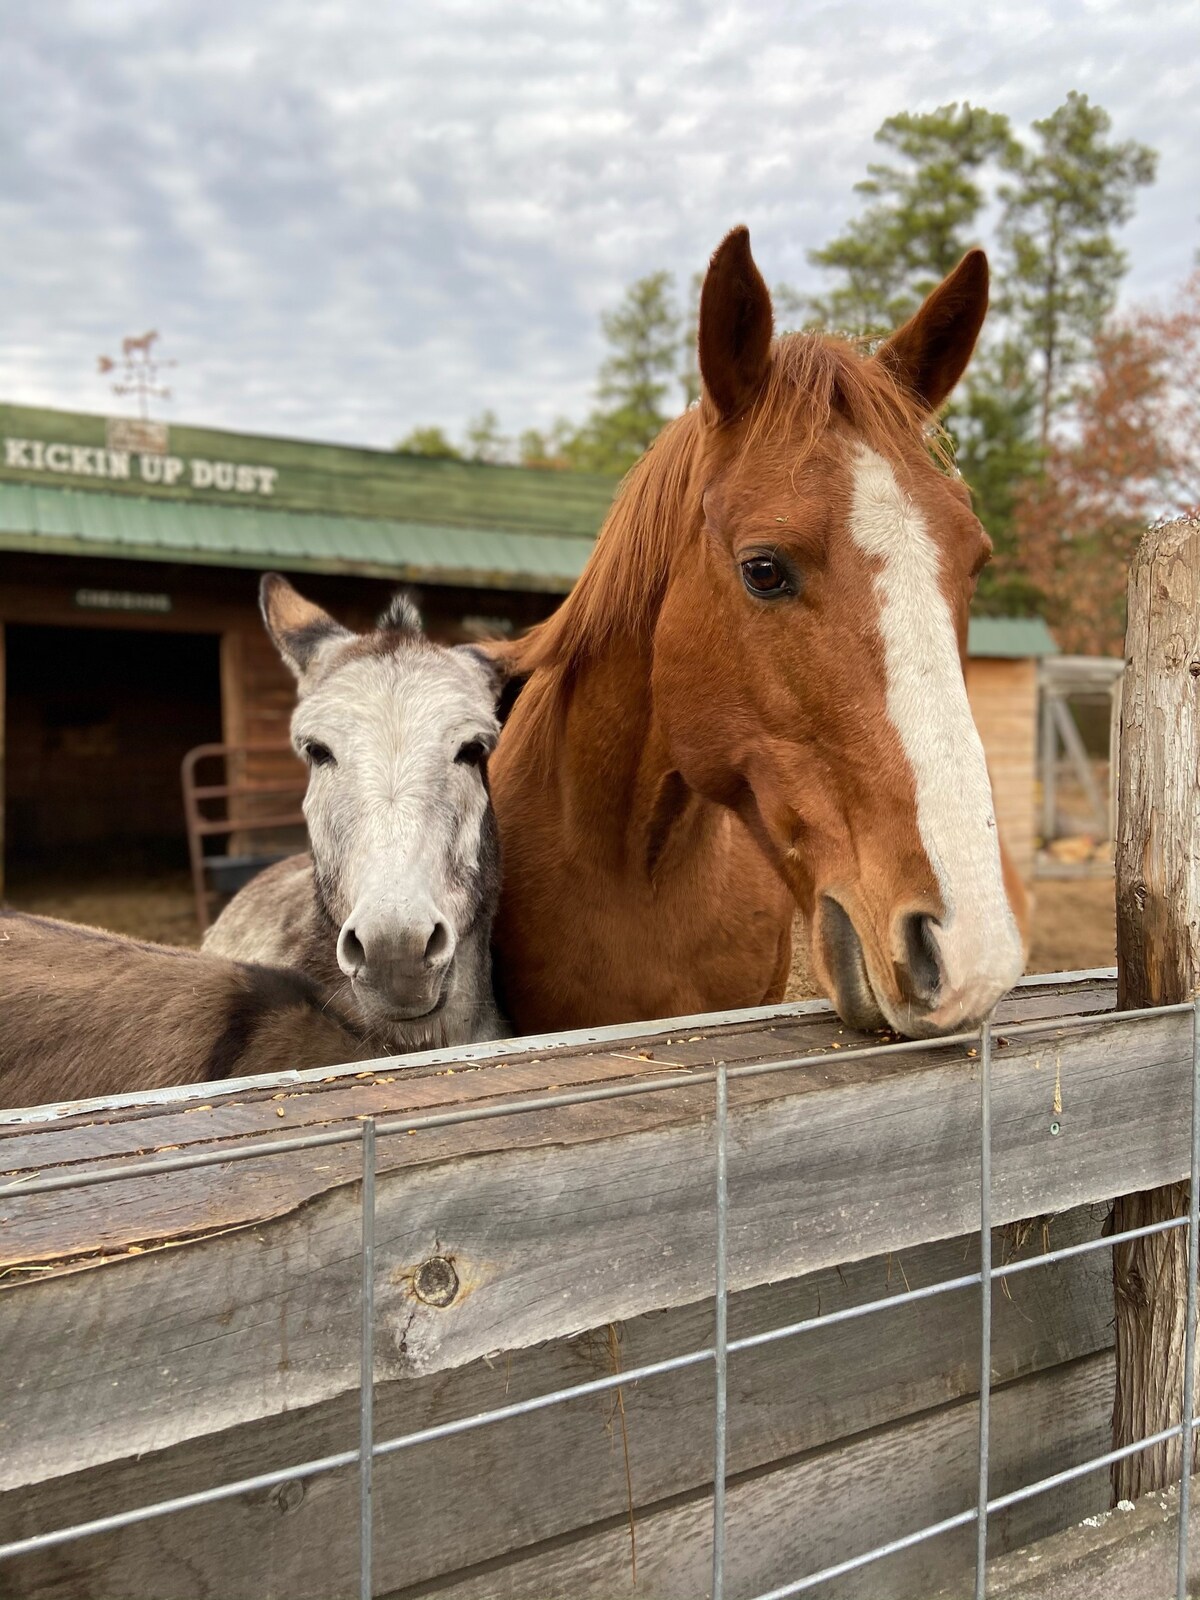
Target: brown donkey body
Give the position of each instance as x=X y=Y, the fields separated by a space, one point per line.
x=87 y=1013
x=754 y=699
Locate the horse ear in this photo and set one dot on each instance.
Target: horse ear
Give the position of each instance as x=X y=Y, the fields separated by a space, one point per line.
x=297 y=626
x=929 y=354
x=736 y=322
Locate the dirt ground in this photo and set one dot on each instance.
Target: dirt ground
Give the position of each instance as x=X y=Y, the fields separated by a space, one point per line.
x=1073 y=918
x=160 y=908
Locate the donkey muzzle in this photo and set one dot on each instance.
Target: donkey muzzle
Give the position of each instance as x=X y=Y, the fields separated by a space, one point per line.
x=401 y=960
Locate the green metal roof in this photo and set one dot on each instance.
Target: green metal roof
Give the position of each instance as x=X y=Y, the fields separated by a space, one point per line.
x=52 y=521
x=1010 y=637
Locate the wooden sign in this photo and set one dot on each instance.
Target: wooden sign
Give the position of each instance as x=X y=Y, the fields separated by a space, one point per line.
x=146 y=466
x=137 y=433
x=121 y=600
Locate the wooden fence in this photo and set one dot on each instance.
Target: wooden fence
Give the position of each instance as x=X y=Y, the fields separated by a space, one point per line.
x=162 y=1336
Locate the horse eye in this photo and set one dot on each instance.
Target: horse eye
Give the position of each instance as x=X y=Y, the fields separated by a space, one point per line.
x=472 y=753
x=764 y=575
x=319 y=754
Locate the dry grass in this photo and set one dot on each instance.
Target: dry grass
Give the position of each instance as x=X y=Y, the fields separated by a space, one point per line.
x=1074 y=924
x=159 y=908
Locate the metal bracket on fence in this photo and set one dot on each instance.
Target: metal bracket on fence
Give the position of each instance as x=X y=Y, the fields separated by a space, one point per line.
x=985 y=1304
x=720 y=1330
x=366 y=1375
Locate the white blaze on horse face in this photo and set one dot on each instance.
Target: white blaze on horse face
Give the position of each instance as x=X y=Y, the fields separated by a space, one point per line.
x=978 y=942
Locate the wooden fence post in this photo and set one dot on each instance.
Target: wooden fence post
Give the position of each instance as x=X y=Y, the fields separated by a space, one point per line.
x=1158 y=958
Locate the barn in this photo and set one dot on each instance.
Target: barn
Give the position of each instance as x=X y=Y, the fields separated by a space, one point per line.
x=129 y=631
x=1002 y=685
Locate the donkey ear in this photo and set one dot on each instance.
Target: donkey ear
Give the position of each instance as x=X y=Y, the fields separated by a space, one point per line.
x=402 y=615
x=736 y=321
x=929 y=354
x=498 y=658
x=297 y=626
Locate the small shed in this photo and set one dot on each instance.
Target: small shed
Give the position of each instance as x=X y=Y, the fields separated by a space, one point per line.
x=1002 y=685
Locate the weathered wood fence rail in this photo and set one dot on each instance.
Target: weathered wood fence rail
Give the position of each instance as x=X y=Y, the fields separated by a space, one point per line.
x=160 y=1335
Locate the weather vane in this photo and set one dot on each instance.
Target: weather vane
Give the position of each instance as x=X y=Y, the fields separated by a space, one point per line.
x=139 y=369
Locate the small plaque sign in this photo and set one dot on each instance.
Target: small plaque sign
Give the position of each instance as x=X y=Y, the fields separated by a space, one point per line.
x=121 y=600
x=487 y=628
x=138 y=433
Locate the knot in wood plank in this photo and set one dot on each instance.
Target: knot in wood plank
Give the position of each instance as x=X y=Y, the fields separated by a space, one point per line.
x=435 y=1282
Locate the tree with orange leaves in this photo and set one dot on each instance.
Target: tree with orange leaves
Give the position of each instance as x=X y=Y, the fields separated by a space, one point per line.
x=1106 y=474
x=1177 y=331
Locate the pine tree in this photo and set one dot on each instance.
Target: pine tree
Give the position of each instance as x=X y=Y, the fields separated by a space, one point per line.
x=921 y=219
x=991 y=422
x=485 y=442
x=1063 y=266
x=634 y=379
x=429 y=441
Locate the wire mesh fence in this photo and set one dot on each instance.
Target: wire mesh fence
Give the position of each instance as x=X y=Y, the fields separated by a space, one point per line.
x=722 y=1349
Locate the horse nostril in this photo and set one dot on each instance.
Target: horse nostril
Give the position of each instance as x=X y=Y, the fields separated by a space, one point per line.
x=924 y=968
x=351 y=955
x=439 y=941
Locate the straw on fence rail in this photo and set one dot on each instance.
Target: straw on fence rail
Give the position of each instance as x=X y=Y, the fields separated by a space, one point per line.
x=368 y=1450
x=366 y=1375
x=617 y=1091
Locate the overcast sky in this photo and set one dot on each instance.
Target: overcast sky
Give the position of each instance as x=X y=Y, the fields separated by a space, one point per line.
x=351 y=216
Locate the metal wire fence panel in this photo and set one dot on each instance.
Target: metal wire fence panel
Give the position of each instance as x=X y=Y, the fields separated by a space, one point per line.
x=720 y=1353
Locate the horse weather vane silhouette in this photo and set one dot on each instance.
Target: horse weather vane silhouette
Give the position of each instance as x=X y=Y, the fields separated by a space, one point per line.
x=139 y=370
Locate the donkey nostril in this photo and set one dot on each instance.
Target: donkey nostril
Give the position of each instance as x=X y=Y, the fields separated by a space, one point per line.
x=352 y=956
x=921 y=957
x=439 y=941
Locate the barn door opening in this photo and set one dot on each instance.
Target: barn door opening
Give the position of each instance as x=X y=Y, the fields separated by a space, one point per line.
x=96 y=723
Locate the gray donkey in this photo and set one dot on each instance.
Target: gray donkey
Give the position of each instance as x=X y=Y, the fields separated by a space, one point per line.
x=391 y=914
x=84 y=1013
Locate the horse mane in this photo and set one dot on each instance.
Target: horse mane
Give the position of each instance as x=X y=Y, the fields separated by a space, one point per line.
x=811 y=377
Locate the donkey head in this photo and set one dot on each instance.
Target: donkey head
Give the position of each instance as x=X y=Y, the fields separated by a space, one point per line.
x=396 y=732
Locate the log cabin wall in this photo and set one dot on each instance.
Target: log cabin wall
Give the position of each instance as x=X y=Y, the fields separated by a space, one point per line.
x=1004 y=699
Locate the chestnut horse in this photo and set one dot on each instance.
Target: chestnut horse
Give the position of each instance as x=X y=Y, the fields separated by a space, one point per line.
x=754 y=698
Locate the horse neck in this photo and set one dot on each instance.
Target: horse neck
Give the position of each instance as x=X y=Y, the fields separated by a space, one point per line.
x=593 y=760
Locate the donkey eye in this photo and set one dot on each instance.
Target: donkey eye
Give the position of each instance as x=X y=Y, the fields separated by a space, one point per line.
x=763 y=575
x=472 y=753
x=319 y=754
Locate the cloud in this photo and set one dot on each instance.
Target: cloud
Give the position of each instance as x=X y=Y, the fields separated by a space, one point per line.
x=349 y=218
